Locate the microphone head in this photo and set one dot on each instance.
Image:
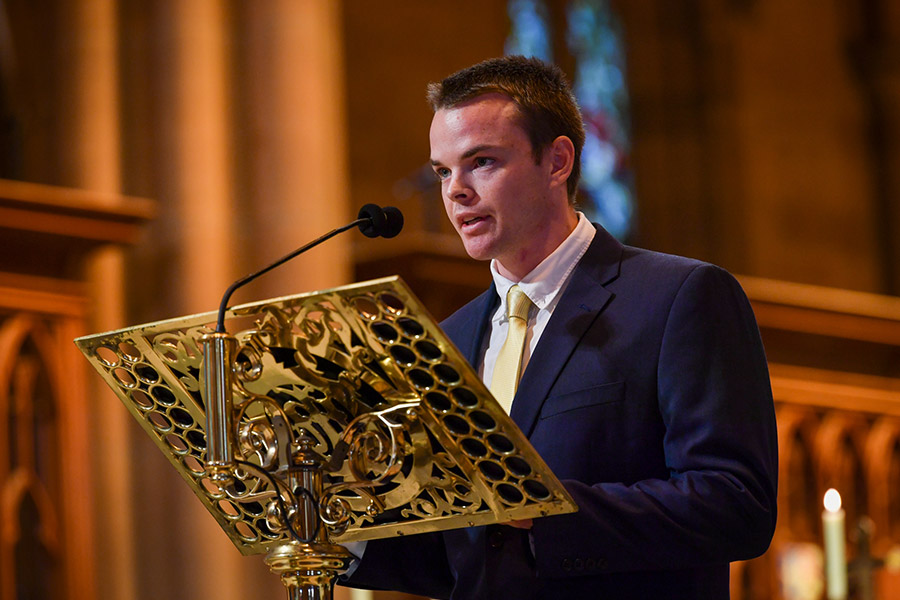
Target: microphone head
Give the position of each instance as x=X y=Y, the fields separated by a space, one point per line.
x=376 y=220
x=384 y=222
x=393 y=221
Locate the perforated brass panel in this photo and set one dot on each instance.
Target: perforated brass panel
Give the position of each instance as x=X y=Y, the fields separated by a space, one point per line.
x=369 y=354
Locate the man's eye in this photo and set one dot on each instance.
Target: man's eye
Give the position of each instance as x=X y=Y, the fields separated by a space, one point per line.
x=482 y=161
x=442 y=173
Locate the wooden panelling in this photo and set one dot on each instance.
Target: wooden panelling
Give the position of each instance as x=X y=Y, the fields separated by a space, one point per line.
x=47 y=498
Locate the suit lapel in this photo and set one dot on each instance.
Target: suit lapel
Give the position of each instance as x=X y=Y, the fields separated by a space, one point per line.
x=578 y=308
x=468 y=328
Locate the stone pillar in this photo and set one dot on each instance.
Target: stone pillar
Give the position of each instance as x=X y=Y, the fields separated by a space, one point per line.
x=294 y=141
x=89 y=158
x=197 y=149
x=292 y=149
x=195 y=248
x=235 y=124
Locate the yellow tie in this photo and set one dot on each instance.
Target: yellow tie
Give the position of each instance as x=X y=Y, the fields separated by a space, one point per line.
x=509 y=361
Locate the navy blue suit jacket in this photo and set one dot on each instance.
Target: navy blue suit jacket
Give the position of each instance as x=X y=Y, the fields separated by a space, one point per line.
x=648 y=395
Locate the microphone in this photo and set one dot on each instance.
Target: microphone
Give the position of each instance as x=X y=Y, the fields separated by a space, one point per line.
x=383 y=222
x=373 y=221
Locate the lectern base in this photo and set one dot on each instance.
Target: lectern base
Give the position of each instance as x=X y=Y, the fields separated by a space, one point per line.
x=308 y=571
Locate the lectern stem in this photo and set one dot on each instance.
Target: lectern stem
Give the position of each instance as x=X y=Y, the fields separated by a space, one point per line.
x=308 y=571
x=299 y=588
x=308 y=566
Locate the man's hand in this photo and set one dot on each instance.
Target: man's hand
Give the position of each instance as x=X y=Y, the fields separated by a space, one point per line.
x=522 y=524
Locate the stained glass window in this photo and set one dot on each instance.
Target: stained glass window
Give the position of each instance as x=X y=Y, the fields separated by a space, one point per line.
x=530 y=32
x=593 y=38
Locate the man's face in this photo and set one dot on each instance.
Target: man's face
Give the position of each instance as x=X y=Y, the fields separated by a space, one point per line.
x=495 y=195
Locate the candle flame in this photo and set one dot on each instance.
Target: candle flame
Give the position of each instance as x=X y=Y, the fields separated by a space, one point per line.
x=832 y=500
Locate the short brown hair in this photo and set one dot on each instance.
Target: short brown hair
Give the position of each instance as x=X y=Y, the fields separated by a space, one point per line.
x=539 y=89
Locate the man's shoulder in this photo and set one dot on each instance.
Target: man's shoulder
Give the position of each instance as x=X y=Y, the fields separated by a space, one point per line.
x=655 y=265
x=667 y=277
x=650 y=275
x=607 y=260
x=660 y=260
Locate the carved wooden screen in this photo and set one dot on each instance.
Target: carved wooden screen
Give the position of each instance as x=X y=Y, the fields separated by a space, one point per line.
x=44 y=474
x=47 y=236
x=836 y=379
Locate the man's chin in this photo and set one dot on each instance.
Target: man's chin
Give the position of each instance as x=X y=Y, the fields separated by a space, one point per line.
x=478 y=252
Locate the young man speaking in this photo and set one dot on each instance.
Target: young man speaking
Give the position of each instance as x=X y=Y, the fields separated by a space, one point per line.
x=639 y=377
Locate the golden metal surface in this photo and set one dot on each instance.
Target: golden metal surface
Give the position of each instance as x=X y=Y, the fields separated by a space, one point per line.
x=415 y=441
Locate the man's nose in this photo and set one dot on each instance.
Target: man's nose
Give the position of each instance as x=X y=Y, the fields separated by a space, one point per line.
x=459 y=189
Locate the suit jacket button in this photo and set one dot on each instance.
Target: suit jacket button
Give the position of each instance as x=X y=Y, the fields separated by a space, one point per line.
x=567 y=564
x=590 y=564
x=495 y=539
x=579 y=564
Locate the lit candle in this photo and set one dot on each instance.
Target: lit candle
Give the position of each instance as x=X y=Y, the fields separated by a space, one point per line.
x=835 y=550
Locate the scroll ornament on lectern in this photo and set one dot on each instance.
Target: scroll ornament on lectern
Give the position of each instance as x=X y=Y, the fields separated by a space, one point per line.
x=339 y=415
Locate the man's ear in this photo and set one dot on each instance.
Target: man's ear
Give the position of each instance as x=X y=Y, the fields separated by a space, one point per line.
x=562 y=158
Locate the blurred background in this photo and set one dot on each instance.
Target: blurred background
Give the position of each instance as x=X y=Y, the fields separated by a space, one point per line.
x=151 y=152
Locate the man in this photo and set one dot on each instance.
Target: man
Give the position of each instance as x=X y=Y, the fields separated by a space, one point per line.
x=643 y=380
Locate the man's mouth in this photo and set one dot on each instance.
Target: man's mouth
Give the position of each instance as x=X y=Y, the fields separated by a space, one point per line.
x=472 y=220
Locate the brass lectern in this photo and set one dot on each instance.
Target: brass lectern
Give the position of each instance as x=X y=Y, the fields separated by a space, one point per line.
x=323 y=418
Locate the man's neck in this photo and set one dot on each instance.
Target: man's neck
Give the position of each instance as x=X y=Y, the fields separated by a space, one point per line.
x=516 y=267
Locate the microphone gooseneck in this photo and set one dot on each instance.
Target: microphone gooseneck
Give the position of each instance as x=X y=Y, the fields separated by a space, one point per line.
x=372 y=220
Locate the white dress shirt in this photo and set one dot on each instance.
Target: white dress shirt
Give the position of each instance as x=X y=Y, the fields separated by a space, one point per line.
x=544 y=286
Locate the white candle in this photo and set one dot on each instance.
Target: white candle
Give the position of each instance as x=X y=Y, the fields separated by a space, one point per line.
x=835 y=547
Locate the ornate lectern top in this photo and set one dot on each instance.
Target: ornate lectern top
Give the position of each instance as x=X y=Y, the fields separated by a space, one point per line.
x=413 y=440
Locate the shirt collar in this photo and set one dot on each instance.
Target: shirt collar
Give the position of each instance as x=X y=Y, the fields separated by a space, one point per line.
x=543 y=284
